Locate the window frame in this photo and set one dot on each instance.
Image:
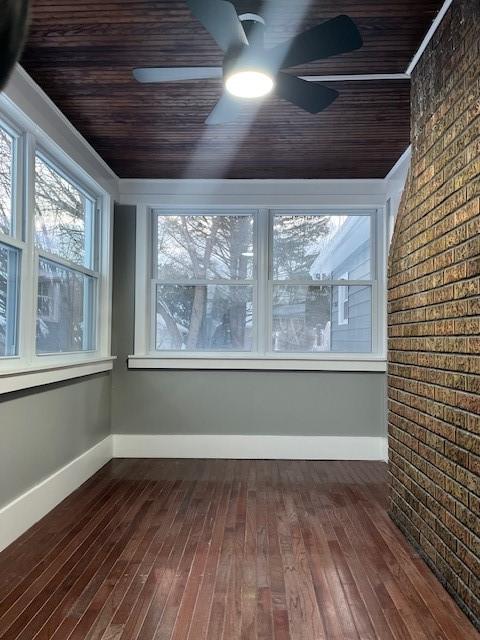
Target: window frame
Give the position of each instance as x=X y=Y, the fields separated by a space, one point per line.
x=28 y=368
x=91 y=242
x=155 y=213
x=372 y=214
x=13 y=239
x=16 y=301
x=145 y=355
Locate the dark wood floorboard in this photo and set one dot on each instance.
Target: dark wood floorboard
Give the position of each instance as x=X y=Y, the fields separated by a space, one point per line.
x=224 y=550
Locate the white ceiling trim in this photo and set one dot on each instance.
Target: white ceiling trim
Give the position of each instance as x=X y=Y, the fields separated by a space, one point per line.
x=31 y=99
x=401 y=165
x=430 y=33
x=363 y=77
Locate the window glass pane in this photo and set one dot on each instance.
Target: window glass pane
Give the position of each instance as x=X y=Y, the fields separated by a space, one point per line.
x=63 y=216
x=9 y=284
x=351 y=327
x=201 y=247
x=312 y=319
x=65 y=310
x=7 y=151
x=208 y=318
x=317 y=247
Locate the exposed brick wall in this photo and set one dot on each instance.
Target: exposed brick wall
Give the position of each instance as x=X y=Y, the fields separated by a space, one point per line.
x=434 y=314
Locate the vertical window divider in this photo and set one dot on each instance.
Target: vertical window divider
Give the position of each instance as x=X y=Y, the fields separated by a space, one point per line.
x=29 y=267
x=96 y=250
x=104 y=266
x=379 y=284
x=143 y=277
x=262 y=269
x=269 y=289
x=19 y=195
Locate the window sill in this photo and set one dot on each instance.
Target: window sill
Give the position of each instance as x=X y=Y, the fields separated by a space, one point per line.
x=36 y=376
x=296 y=363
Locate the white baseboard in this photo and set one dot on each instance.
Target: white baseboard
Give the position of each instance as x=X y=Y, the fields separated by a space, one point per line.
x=250 y=447
x=19 y=515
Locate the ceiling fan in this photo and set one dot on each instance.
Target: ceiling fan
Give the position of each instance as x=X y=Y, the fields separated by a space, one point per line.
x=249 y=70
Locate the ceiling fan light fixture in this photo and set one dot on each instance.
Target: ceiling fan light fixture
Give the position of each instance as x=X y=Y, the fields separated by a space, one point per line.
x=249 y=84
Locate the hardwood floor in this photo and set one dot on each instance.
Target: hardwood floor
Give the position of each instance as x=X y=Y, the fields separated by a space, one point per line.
x=197 y=550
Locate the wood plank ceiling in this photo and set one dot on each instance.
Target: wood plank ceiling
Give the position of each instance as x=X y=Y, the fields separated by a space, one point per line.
x=82 y=52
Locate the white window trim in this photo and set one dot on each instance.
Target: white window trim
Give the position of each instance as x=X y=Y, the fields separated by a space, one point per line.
x=16 y=379
x=342 y=300
x=27 y=369
x=145 y=358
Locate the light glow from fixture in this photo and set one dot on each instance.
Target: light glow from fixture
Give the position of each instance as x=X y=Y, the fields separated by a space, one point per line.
x=249 y=84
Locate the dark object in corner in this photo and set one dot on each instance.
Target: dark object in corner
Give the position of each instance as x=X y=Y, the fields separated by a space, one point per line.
x=13 y=27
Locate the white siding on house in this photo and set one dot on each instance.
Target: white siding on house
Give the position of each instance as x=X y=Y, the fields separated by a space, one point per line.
x=348 y=257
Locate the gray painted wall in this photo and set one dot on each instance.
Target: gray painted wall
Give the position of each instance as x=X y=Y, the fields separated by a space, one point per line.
x=43 y=429
x=233 y=402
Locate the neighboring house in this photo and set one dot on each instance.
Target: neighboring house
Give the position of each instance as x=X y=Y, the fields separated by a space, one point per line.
x=346 y=256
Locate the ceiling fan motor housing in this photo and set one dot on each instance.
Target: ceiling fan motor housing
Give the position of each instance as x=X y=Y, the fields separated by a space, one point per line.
x=254 y=27
x=250 y=56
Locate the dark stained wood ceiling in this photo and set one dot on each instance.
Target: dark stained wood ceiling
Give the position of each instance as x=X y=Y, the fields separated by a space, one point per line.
x=82 y=54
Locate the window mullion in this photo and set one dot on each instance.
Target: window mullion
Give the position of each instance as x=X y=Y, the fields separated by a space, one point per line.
x=12 y=242
x=144 y=317
x=73 y=266
x=29 y=268
x=196 y=282
x=262 y=309
x=324 y=283
x=379 y=286
x=18 y=231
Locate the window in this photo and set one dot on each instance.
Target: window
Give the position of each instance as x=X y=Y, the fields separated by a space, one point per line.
x=9 y=253
x=54 y=261
x=204 y=287
x=7 y=179
x=64 y=215
x=65 y=310
x=9 y=279
x=264 y=284
x=64 y=236
x=312 y=307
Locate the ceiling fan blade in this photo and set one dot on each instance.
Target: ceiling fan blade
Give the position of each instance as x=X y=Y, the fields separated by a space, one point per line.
x=173 y=74
x=221 y=20
x=309 y=96
x=330 y=38
x=226 y=110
